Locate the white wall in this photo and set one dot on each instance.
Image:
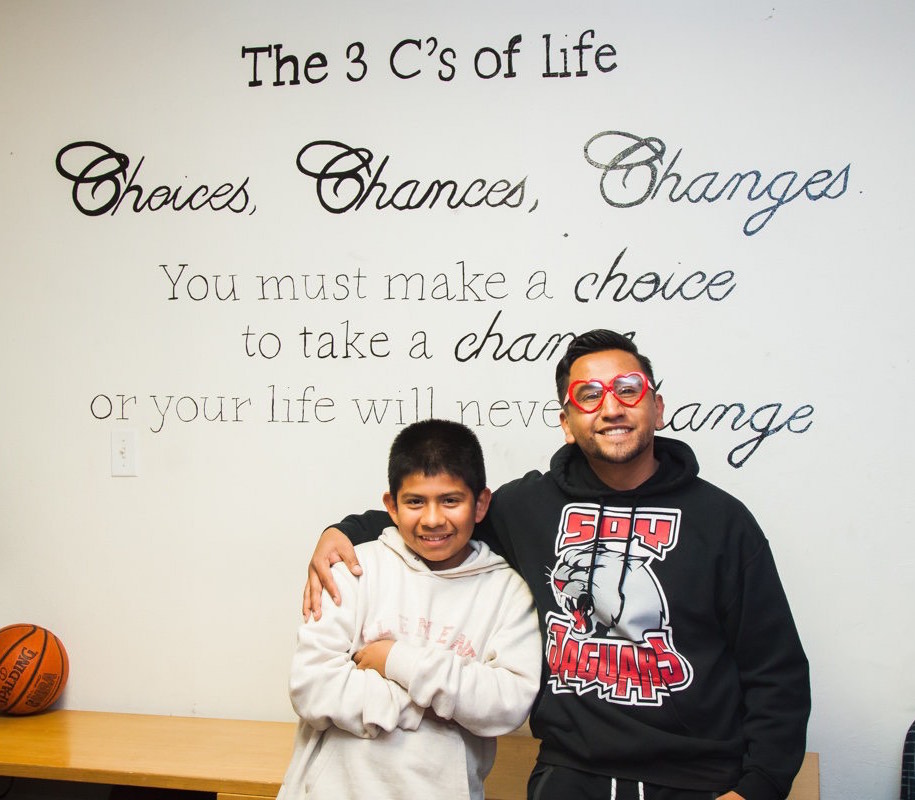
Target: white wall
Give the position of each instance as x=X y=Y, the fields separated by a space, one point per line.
x=178 y=591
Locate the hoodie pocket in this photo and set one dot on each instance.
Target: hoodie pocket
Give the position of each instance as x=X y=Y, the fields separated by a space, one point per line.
x=393 y=766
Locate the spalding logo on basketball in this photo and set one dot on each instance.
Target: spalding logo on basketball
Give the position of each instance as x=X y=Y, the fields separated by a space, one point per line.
x=33 y=669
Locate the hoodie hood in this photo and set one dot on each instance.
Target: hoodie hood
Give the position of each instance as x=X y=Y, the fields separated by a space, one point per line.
x=482 y=559
x=677 y=466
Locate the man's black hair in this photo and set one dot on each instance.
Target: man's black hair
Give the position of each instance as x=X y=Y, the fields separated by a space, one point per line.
x=435 y=447
x=594 y=342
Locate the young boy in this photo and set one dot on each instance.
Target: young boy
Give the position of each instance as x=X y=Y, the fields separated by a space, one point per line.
x=433 y=650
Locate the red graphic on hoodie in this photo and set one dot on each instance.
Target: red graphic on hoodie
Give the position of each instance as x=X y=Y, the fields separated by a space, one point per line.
x=613 y=636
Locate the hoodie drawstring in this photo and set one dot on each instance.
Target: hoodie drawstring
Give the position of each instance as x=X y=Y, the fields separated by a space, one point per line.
x=588 y=600
x=623 y=571
x=613 y=790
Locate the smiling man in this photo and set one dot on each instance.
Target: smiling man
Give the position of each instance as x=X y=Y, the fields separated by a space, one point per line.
x=672 y=666
x=612 y=423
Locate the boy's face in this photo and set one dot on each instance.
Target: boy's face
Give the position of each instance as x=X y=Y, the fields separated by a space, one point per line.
x=435 y=515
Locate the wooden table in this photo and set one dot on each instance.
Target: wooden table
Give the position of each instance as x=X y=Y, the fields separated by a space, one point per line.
x=229 y=757
x=235 y=759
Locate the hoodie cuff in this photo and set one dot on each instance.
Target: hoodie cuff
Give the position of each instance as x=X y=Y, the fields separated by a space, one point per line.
x=753 y=786
x=400 y=662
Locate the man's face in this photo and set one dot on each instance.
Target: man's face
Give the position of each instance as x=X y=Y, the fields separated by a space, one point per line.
x=435 y=516
x=615 y=435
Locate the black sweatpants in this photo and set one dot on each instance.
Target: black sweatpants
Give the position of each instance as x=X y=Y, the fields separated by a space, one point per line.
x=549 y=782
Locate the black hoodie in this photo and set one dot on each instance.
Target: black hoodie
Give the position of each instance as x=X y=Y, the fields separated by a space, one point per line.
x=671 y=656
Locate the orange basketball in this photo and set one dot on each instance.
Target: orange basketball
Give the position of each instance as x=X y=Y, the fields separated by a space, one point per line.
x=33 y=669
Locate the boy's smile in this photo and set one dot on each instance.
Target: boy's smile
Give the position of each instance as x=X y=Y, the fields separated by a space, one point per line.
x=436 y=515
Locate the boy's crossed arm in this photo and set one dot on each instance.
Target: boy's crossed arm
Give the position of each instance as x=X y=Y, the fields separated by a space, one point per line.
x=489 y=697
x=326 y=687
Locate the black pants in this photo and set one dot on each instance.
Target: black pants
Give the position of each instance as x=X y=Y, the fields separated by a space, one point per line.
x=548 y=782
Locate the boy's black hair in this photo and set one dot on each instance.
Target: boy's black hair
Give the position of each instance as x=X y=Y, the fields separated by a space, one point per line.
x=436 y=447
x=594 y=342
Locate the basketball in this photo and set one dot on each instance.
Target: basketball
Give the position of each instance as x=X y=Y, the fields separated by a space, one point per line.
x=33 y=669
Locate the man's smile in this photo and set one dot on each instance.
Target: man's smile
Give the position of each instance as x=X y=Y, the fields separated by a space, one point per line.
x=617 y=431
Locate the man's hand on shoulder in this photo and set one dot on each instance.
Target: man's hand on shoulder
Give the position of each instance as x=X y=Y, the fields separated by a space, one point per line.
x=332 y=547
x=730 y=796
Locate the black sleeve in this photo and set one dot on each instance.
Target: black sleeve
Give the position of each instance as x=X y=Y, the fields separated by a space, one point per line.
x=365 y=527
x=775 y=679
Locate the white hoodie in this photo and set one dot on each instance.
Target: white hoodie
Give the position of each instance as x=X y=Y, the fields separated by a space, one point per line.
x=465 y=667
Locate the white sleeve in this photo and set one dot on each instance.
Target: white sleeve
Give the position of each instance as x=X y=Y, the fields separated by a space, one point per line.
x=488 y=697
x=325 y=687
